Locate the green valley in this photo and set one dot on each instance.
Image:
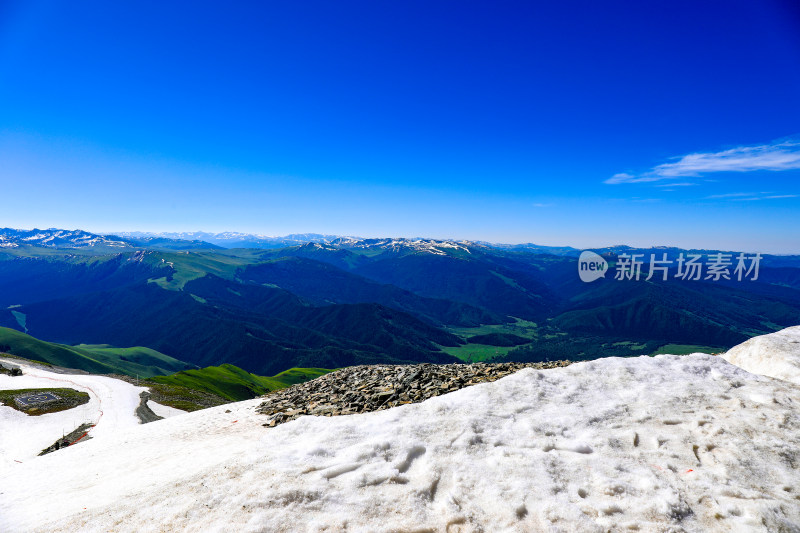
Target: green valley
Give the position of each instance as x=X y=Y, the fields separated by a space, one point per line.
x=234 y=384
x=98 y=359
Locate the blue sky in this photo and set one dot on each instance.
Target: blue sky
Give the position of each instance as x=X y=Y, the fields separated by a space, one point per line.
x=566 y=123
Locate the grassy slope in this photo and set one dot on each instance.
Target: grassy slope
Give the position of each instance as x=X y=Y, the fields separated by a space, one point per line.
x=193 y=265
x=98 y=359
x=235 y=384
x=475 y=353
x=684 y=349
x=135 y=361
x=558 y=345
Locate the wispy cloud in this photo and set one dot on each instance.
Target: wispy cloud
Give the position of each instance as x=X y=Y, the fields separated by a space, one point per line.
x=771 y=197
x=731 y=195
x=542 y=205
x=750 y=196
x=782 y=155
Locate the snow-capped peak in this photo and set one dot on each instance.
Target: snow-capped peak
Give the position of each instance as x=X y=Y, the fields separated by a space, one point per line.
x=58 y=238
x=404 y=245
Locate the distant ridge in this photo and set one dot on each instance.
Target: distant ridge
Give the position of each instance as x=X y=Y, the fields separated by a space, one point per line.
x=11 y=238
x=234 y=239
x=437 y=246
x=57 y=238
x=65 y=239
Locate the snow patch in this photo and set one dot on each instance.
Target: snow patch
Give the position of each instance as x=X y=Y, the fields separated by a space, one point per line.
x=164 y=411
x=776 y=355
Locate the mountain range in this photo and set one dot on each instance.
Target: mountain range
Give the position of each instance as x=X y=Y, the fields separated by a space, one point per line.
x=231 y=239
x=326 y=301
x=64 y=239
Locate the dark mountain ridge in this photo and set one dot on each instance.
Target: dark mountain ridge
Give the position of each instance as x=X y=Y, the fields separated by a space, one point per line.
x=256 y=328
x=343 y=300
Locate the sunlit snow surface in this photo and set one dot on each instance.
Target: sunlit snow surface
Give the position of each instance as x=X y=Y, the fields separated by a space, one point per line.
x=776 y=355
x=111 y=408
x=164 y=411
x=670 y=443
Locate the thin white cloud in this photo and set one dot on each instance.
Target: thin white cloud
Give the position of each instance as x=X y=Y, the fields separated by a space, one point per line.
x=542 y=205
x=772 y=197
x=630 y=178
x=729 y=195
x=750 y=196
x=782 y=155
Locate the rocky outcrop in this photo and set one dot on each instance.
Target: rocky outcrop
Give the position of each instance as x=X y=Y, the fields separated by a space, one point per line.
x=79 y=434
x=365 y=388
x=10 y=369
x=143 y=411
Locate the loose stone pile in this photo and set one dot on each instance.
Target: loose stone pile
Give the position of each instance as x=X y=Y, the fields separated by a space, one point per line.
x=10 y=369
x=365 y=388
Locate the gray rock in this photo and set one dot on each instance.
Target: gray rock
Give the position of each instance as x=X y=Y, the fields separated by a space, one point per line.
x=365 y=388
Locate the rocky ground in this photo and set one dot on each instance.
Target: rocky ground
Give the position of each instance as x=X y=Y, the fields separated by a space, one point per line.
x=143 y=412
x=10 y=369
x=365 y=388
x=81 y=433
x=173 y=395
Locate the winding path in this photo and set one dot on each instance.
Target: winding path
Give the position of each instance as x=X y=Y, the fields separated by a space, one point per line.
x=112 y=405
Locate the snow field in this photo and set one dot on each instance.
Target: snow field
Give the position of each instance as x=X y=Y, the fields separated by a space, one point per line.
x=111 y=407
x=680 y=443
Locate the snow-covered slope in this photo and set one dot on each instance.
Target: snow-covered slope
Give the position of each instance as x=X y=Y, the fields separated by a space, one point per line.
x=58 y=238
x=671 y=443
x=233 y=239
x=246 y=240
x=111 y=408
x=61 y=238
x=405 y=246
x=776 y=355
